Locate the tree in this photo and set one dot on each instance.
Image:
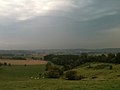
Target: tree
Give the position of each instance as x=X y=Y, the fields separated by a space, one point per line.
x=111 y=57
x=117 y=60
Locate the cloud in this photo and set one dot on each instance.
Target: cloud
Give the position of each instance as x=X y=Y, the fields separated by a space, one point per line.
x=81 y=10
x=25 y=9
x=59 y=23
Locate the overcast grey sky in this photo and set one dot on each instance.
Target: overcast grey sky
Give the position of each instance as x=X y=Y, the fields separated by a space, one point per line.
x=50 y=24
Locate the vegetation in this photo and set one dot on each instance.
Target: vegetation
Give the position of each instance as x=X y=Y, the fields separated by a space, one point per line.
x=21 y=56
x=72 y=61
x=73 y=75
x=91 y=72
x=53 y=71
x=26 y=78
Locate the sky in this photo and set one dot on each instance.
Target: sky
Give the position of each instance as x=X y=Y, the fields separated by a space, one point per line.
x=59 y=24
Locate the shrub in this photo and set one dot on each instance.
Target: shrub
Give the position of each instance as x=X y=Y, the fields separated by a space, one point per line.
x=5 y=64
x=54 y=72
x=48 y=65
x=94 y=77
x=72 y=75
x=9 y=64
x=111 y=67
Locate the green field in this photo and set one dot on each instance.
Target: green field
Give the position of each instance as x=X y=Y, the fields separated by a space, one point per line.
x=19 y=78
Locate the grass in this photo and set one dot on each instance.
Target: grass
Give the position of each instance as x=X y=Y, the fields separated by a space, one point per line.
x=20 y=71
x=103 y=73
x=18 y=78
x=55 y=84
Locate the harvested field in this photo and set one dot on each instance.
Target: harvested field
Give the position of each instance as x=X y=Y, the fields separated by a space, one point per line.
x=23 y=62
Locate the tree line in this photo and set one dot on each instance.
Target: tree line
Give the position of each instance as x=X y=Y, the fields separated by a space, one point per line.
x=71 y=61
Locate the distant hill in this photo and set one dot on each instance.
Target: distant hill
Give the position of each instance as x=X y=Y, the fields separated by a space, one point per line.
x=79 y=51
x=62 y=51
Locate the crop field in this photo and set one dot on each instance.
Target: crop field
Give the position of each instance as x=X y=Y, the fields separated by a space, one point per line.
x=20 y=77
x=23 y=62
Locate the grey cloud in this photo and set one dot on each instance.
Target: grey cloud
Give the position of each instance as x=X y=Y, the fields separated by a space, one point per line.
x=76 y=24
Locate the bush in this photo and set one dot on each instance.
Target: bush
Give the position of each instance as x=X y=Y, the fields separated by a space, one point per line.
x=111 y=67
x=54 y=72
x=5 y=64
x=72 y=75
x=94 y=77
x=9 y=64
x=48 y=65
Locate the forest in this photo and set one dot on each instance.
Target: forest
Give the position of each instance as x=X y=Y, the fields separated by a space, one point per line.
x=71 y=61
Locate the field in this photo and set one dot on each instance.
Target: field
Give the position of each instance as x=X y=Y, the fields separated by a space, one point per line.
x=23 y=62
x=20 y=77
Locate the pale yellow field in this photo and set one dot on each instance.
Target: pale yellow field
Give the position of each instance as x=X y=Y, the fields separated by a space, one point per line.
x=23 y=62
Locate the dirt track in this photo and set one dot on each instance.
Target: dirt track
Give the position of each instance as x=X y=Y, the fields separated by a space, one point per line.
x=23 y=62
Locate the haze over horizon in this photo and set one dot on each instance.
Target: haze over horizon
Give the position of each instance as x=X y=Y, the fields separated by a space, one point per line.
x=59 y=24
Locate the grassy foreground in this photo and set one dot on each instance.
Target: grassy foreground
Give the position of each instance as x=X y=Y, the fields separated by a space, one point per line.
x=19 y=78
x=50 y=84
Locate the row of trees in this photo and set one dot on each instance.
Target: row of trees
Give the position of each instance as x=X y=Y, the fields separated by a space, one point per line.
x=13 y=57
x=71 y=61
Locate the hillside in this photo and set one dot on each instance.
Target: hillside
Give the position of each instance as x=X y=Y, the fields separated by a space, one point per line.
x=99 y=71
x=19 y=78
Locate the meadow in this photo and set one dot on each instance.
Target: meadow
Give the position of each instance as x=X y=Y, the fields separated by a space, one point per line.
x=20 y=77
